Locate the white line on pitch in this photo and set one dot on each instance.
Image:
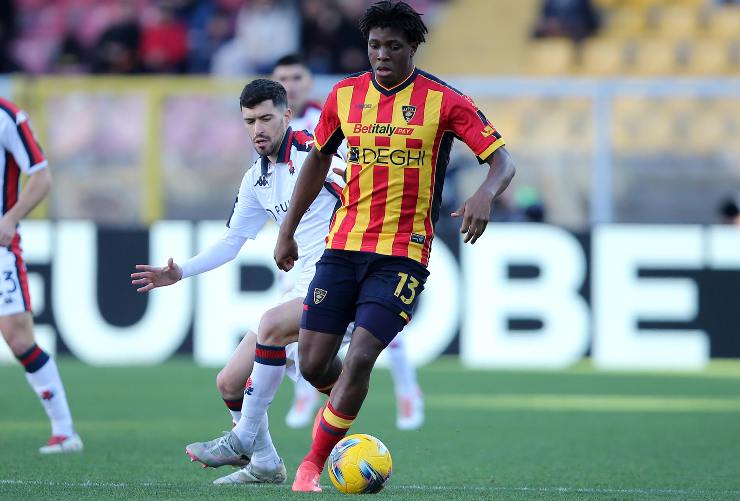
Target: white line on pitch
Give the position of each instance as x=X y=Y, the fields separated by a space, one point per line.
x=469 y=488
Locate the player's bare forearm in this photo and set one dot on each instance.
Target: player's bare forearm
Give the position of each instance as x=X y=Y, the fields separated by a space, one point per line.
x=307 y=187
x=35 y=190
x=477 y=209
x=501 y=170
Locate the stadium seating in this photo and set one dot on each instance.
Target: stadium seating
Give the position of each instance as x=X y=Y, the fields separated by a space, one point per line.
x=654 y=57
x=651 y=38
x=724 y=23
x=602 y=57
x=709 y=57
x=552 y=57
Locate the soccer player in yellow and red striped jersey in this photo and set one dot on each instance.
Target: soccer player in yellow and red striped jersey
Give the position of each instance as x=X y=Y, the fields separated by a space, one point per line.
x=399 y=123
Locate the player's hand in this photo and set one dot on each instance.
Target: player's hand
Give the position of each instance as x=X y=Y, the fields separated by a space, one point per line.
x=475 y=212
x=7 y=231
x=286 y=252
x=150 y=277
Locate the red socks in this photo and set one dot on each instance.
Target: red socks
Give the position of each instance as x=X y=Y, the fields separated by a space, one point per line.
x=332 y=428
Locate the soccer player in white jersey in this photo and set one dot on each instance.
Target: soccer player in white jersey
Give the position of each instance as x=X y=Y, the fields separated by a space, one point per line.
x=21 y=153
x=293 y=73
x=264 y=194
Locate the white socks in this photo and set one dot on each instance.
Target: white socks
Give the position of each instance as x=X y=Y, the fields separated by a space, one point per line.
x=47 y=384
x=267 y=374
x=265 y=455
x=402 y=370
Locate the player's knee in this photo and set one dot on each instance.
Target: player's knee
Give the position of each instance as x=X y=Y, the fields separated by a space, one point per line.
x=227 y=385
x=313 y=370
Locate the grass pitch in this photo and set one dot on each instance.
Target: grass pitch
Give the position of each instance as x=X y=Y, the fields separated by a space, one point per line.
x=575 y=434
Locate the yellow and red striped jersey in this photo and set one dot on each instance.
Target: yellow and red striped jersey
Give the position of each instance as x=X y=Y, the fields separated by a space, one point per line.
x=399 y=143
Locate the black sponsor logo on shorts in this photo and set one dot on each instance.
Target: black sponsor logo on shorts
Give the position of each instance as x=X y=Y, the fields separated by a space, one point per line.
x=418 y=239
x=318 y=295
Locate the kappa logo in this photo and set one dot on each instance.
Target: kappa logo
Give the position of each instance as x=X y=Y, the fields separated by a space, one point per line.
x=47 y=395
x=318 y=295
x=262 y=182
x=408 y=112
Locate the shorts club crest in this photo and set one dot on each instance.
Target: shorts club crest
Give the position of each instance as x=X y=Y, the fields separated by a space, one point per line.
x=318 y=295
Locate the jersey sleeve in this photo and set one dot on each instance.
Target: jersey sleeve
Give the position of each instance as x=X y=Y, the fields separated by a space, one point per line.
x=328 y=133
x=472 y=127
x=248 y=216
x=21 y=142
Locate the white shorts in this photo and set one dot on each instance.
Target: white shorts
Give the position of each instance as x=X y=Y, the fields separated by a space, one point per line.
x=14 y=295
x=297 y=280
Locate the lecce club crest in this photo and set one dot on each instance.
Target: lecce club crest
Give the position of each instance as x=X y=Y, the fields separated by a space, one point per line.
x=408 y=112
x=318 y=295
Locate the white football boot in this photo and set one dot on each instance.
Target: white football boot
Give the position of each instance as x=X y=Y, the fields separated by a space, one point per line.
x=59 y=444
x=410 y=411
x=252 y=474
x=219 y=451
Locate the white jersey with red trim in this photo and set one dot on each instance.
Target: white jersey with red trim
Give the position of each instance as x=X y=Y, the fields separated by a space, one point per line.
x=266 y=190
x=308 y=119
x=19 y=153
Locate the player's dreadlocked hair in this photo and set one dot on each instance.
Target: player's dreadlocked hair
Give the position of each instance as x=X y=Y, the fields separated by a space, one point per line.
x=261 y=90
x=394 y=14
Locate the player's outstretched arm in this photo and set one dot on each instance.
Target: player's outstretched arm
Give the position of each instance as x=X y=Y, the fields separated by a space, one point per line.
x=476 y=210
x=220 y=252
x=150 y=277
x=307 y=187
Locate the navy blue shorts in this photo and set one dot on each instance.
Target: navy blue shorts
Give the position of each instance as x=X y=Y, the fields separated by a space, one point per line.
x=376 y=291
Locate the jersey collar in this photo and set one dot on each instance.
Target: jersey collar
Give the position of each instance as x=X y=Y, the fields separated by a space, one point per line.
x=396 y=88
x=283 y=156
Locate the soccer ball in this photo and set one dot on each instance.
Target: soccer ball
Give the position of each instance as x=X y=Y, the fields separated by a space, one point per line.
x=360 y=464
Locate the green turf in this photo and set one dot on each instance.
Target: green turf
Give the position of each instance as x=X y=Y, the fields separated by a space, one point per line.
x=576 y=434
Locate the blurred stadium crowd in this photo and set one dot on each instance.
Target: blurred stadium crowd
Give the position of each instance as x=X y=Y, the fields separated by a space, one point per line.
x=228 y=37
x=224 y=37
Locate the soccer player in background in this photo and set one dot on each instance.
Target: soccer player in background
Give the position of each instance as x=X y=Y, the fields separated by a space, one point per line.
x=22 y=153
x=291 y=71
x=399 y=123
x=264 y=194
x=293 y=74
